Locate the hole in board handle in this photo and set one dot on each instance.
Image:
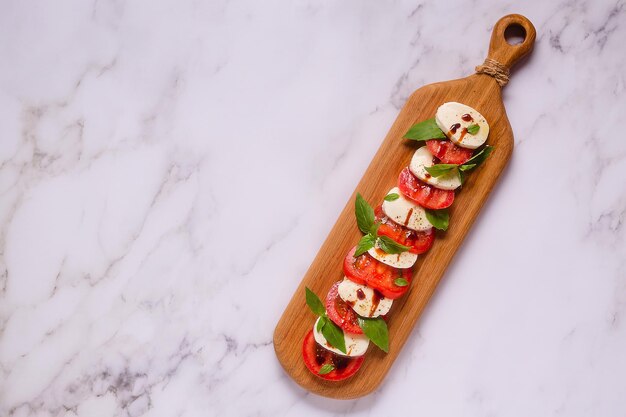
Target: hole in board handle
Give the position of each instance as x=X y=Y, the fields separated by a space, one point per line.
x=514 y=34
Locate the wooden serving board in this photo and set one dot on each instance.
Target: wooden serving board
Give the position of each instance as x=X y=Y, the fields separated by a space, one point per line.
x=479 y=91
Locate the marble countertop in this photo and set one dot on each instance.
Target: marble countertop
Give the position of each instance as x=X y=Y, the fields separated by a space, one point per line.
x=169 y=169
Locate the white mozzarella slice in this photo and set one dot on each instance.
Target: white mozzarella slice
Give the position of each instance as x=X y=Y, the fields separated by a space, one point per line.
x=422 y=158
x=356 y=344
x=406 y=213
x=364 y=301
x=402 y=260
x=454 y=118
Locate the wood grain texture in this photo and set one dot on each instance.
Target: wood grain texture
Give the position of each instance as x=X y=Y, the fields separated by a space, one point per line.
x=484 y=94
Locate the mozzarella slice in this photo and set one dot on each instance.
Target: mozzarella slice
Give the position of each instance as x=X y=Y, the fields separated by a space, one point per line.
x=364 y=301
x=356 y=344
x=422 y=158
x=402 y=260
x=406 y=213
x=454 y=118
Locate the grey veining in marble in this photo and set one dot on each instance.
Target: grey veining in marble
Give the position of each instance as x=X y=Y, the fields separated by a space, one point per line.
x=168 y=170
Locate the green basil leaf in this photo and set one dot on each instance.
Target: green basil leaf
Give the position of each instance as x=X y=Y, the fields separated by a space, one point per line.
x=466 y=167
x=326 y=369
x=334 y=335
x=320 y=323
x=364 y=214
x=440 y=219
x=314 y=303
x=392 y=197
x=479 y=158
x=459 y=172
x=440 y=169
x=376 y=330
x=401 y=282
x=374 y=229
x=389 y=245
x=473 y=129
x=366 y=243
x=425 y=130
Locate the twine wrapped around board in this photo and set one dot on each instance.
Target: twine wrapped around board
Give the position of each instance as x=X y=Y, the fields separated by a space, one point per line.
x=496 y=70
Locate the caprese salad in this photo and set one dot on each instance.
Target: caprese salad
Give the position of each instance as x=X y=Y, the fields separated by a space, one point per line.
x=378 y=269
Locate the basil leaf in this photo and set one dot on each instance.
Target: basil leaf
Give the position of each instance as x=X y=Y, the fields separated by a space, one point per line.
x=466 y=167
x=440 y=169
x=376 y=330
x=314 y=302
x=392 y=197
x=320 y=323
x=391 y=246
x=459 y=172
x=334 y=335
x=364 y=214
x=401 y=282
x=374 y=229
x=440 y=219
x=479 y=158
x=366 y=243
x=425 y=130
x=473 y=129
x=326 y=369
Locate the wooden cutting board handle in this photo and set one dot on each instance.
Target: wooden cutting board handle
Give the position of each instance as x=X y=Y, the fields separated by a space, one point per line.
x=503 y=52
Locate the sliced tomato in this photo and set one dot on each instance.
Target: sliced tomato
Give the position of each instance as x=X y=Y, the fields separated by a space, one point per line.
x=423 y=194
x=340 y=312
x=419 y=242
x=316 y=356
x=448 y=152
x=368 y=271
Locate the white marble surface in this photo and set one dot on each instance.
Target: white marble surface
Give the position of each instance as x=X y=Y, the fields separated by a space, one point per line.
x=169 y=169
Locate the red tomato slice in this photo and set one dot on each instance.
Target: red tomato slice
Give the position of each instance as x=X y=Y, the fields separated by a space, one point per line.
x=448 y=152
x=340 y=312
x=377 y=275
x=419 y=242
x=316 y=356
x=423 y=194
